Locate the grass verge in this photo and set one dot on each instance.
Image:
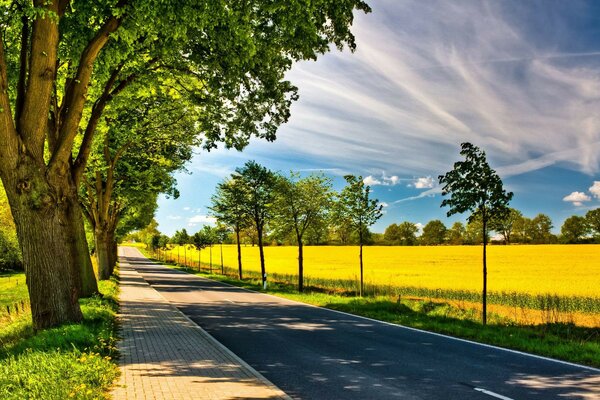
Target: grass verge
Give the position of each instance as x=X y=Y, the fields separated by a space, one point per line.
x=70 y=361
x=563 y=341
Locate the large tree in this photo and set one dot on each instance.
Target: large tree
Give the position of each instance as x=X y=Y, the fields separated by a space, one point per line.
x=300 y=204
x=356 y=208
x=593 y=221
x=475 y=187
x=53 y=51
x=505 y=225
x=574 y=229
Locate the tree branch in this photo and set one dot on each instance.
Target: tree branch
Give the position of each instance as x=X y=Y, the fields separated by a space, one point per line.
x=76 y=95
x=9 y=138
x=21 y=84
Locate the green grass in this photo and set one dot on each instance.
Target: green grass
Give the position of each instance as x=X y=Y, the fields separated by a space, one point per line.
x=557 y=340
x=70 y=361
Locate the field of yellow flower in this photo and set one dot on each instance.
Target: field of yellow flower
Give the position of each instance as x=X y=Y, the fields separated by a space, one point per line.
x=565 y=270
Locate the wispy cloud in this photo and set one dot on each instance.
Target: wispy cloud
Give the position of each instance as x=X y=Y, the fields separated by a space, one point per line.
x=202 y=220
x=423 y=183
x=429 y=75
x=384 y=180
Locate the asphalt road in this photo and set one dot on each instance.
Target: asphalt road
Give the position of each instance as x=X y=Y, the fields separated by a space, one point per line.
x=314 y=353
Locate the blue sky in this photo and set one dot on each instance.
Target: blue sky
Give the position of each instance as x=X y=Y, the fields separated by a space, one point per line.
x=519 y=79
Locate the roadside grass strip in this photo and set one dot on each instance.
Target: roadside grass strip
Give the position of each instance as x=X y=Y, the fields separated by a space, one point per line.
x=71 y=361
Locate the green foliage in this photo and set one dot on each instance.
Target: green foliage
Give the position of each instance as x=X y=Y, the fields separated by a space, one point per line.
x=474 y=186
x=258 y=186
x=593 y=221
x=456 y=234
x=404 y=234
x=181 y=238
x=228 y=204
x=301 y=204
x=574 y=229
x=355 y=207
x=505 y=224
x=434 y=233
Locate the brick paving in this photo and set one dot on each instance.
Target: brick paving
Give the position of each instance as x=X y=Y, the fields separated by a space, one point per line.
x=164 y=355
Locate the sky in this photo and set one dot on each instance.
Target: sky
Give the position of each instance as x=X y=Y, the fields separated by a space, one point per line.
x=519 y=79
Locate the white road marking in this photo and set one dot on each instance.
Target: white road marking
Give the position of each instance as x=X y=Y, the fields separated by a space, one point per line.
x=490 y=393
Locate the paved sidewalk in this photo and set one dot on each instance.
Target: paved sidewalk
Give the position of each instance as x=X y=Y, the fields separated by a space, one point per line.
x=167 y=356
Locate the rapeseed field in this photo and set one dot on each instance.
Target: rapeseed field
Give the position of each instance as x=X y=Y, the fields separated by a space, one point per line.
x=564 y=270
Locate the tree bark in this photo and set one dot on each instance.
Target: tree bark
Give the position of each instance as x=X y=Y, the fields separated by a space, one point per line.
x=263 y=271
x=89 y=285
x=239 y=252
x=300 y=264
x=103 y=250
x=42 y=213
x=484 y=294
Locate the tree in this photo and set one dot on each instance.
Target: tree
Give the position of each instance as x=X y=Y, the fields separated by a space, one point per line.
x=407 y=233
x=229 y=209
x=506 y=225
x=392 y=234
x=474 y=186
x=574 y=229
x=200 y=240
x=456 y=234
x=61 y=64
x=434 y=233
x=357 y=209
x=300 y=203
x=258 y=185
x=181 y=238
x=593 y=221
x=540 y=229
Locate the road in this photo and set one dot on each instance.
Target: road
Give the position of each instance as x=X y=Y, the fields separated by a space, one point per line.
x=315 y=353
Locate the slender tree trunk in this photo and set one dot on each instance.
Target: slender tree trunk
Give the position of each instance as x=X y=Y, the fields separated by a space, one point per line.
x=89 y=284
x=47 y=242
x=185 y=256
x=262 y=259
x=360 y=256
x=199 y=252
x=300 y=264
x=102 y=253
x=239 y=252
x=114 y=251
x=222 y=266
x=484 y=294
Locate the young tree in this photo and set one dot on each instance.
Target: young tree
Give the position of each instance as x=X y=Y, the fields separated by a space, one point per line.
x=229 y=209
x=434 y=233
x=574 y=229
x=258 y=185
x=474 y=186
x=200 y=241
x=299 y=204
x=181 y=238
x=357 y=209
x=61 y=64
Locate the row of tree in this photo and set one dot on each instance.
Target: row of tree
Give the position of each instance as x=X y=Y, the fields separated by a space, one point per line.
x=512 y=228
x=101 y=101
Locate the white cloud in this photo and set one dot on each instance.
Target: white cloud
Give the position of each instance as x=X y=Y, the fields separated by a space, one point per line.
x=384 y=180
x=419 y=227
x=577 y=198
x=186 y=208
x=202 y=220
x=174 y=217
x=595 y=189
x=370 y=181
x=423 y=183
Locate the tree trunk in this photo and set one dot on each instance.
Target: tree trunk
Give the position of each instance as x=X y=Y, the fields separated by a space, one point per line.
x=89 y=285
x=262 y=259
x=102 y=254
x=239 y=252
x=360 y=256
x=484 y=294
x=222 y=266
x=300 y=265
x=113 y=251
x=210 y=257
x=41 y=212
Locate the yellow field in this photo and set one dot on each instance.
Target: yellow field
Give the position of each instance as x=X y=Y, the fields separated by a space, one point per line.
x=555 y=269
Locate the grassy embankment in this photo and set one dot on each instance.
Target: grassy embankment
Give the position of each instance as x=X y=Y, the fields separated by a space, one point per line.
x=71 y=361
x=564 y=341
